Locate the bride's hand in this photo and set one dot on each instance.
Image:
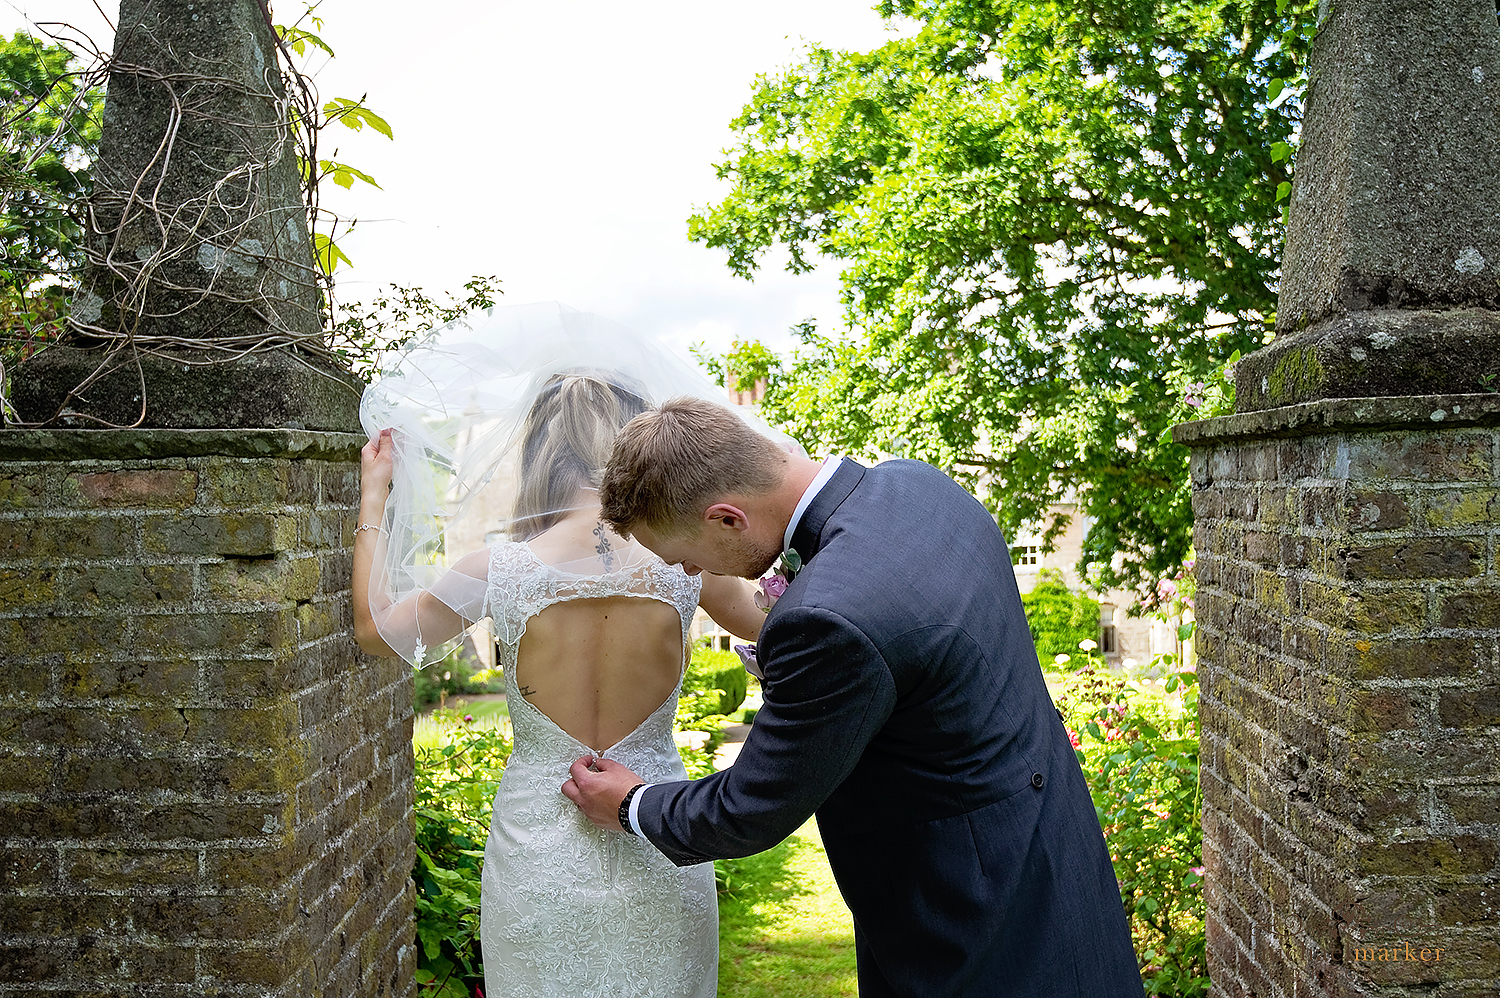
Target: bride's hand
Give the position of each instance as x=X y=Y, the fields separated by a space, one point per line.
x=377 y=466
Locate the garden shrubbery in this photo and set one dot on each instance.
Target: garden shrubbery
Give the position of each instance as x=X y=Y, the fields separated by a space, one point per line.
x=1058 y=617
x=455 y=791
x=714 y=687
x=1137 y=740
x=451 y=676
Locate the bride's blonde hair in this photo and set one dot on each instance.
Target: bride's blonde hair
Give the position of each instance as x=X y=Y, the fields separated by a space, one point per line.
x=566 y=442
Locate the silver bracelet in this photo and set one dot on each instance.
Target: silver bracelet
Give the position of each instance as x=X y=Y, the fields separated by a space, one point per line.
x=365 y=526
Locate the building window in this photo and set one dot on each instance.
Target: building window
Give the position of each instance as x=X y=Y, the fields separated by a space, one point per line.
x=1029 y=554
x=1109 y=641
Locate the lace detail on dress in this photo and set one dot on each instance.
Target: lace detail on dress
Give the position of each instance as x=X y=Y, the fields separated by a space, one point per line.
x=567 y=910
x=521 y=586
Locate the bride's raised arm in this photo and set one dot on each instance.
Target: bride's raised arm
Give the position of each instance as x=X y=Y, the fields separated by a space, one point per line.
x=426 y=618
x=731 y=603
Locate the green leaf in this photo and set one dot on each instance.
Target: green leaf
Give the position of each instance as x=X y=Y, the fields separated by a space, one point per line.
x=1280 y=151
x=1274 y=91
x=343 y=174
x=1283 y=189
x=328 y=255
x=355 y=115
x=300 y=39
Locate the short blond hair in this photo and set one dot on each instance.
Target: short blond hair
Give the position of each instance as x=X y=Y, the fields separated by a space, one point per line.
x=671 y=463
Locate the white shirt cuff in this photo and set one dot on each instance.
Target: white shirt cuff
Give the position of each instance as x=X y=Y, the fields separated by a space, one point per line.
x=635 y=807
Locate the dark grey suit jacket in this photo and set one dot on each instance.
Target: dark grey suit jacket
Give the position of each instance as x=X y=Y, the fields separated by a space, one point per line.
x=904 y=704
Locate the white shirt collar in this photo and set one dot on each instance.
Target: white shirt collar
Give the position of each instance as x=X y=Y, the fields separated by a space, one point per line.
x=813 y=488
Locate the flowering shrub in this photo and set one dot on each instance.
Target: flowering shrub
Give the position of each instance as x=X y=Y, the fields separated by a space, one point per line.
x=1137 y=740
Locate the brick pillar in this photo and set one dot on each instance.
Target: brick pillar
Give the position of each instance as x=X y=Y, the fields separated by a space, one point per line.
x=1346 y=521
x=1349 y=659
x=204 y=787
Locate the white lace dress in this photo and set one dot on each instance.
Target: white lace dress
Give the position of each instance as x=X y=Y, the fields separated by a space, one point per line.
x=567 y=910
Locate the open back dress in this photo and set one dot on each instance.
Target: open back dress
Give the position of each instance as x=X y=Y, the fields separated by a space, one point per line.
x=568 y=910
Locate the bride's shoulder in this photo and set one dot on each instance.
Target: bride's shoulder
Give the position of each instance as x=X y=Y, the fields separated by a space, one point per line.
x=508 y=553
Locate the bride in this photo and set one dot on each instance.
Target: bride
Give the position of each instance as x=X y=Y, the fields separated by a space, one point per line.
x=496 y=429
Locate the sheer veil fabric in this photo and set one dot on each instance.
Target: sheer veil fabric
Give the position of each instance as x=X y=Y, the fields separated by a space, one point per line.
x=483 y=455
x=503 y=423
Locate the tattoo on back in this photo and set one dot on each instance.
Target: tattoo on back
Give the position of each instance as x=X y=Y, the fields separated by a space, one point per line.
x=603 y=548
x=527 y=691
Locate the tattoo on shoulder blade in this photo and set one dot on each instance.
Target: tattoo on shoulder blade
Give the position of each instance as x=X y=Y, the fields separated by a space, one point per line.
x=603 y=548
x=527 y=691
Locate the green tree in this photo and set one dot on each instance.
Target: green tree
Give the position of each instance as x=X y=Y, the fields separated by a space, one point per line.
x=1058 y=617
x=50 y=116
x=1051 y=218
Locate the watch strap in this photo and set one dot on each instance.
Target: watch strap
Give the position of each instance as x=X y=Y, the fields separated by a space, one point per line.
x=625 y=808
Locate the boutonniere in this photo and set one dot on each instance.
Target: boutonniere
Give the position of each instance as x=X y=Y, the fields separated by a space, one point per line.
x=773 y=585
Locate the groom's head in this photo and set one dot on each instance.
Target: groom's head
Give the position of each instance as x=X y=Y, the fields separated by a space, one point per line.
x=695 y=484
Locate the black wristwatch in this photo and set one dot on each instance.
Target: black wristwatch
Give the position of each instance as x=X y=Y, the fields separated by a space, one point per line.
x=625 y=808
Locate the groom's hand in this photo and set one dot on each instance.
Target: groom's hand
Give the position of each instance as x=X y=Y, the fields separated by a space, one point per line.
x=597 y=787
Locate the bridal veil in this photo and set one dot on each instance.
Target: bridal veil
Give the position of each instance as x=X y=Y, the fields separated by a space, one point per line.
x=503 y=422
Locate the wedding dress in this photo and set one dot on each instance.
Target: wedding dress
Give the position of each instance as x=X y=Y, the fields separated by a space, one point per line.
x=568 y=910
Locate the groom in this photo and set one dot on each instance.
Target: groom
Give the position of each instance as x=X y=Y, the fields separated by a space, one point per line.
x=903 y=704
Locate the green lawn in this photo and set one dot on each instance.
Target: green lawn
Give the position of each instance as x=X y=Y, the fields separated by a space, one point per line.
x=427 y=732
x=783 y=928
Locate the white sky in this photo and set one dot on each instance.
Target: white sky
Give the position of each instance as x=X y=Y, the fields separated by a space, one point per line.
x=559 y=146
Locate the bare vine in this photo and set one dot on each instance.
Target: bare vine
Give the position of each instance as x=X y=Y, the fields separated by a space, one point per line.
x=247 y=248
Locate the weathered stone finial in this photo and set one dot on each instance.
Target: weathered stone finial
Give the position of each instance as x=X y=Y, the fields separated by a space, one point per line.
x=1391 y=276
x=198 y=224
x=200 y=303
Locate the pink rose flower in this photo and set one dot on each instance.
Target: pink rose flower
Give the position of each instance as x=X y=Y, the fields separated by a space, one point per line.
x=771 y=589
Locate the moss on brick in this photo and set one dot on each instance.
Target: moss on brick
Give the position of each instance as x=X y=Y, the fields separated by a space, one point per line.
x=187 y=616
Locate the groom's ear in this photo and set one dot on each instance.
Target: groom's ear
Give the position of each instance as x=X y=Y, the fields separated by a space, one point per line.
x=724 y=515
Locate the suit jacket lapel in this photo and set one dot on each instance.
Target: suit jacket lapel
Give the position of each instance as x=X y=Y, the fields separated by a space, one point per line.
x=806 y=538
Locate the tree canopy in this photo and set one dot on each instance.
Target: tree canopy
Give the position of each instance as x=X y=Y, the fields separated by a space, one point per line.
x=50 y=130
x=1051 y=219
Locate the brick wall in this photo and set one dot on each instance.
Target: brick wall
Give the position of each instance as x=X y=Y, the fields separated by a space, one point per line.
x=1349 y=655
x=204 y=787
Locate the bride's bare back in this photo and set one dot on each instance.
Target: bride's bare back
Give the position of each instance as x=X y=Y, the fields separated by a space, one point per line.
x=599 y=667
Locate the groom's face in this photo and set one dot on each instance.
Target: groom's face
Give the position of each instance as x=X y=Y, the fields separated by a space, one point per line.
x=714 y=548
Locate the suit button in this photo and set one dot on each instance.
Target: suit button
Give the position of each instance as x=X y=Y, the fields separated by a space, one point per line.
x=1037 y=781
